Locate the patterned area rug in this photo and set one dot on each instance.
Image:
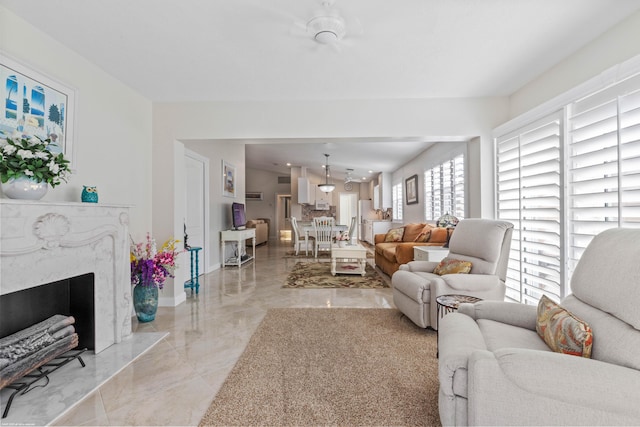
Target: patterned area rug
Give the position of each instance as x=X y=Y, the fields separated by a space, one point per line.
x=321 y=255
x=317 y=275
x=332 y=367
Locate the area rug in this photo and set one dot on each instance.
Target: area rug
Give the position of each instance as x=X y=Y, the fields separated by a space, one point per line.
x=317 y=275
x=321 y=255
x=332 y=366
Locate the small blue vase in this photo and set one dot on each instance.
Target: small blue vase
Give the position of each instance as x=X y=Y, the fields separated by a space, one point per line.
x=145 y=302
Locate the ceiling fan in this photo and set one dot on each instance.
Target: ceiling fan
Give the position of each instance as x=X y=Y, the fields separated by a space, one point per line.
x=328 y=26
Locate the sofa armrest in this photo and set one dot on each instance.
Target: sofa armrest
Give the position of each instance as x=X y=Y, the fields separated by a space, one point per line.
x=379 y=238
x=404 y=251
x=518 y=386
x=424 y=266
x=511 y=313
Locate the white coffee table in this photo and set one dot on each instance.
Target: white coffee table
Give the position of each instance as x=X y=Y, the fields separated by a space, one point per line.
x=348 y=259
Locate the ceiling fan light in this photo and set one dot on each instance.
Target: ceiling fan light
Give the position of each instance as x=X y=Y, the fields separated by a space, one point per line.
x=327 y=29
x=326 y=37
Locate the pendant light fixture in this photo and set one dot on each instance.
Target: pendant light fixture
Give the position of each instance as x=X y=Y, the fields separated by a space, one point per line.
x=326 y=187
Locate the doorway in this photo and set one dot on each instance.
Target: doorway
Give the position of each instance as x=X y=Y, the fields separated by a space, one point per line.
x=283 y=215
x=196 y=194
x=348 y=208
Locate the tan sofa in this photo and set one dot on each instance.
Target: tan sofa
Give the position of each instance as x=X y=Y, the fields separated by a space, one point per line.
x=390 y=255
x=262 y=230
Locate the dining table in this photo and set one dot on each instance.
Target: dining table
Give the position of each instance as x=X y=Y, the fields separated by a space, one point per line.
x=308 y=229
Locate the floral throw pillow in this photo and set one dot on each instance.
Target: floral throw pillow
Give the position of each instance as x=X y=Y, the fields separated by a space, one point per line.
x=394 y=235
x=562 y=331
x=453 y=266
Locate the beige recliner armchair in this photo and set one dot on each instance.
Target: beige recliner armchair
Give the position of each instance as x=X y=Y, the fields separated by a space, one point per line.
x=494 y=369
x=483 y=242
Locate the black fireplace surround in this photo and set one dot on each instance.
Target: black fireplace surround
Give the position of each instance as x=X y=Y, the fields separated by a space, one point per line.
x=71 y=297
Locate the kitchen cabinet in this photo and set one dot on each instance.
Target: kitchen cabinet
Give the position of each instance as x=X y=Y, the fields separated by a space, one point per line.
x=386 y=197
x=306 y=191
x=376 y=197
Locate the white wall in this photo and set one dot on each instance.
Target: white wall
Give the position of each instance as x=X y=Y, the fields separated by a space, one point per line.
x=615 y=46
x=112 y=138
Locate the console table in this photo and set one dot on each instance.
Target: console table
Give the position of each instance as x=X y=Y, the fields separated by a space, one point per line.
x=238 y=236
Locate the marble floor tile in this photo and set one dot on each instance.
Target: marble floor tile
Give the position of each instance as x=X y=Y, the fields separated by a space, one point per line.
x=72 y=383
x=174 y=382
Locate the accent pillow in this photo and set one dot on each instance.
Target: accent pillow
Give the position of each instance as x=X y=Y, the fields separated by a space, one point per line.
x=394 y=235
x=424 y=235
x=453 y=266
x=562 y=331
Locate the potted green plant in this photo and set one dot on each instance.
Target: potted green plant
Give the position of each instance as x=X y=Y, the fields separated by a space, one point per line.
x=28 y=166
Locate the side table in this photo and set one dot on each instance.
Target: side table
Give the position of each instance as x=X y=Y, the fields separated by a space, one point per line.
x=194 y=282
x=449 y=303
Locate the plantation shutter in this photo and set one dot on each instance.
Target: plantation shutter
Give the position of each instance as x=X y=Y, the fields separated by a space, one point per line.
x=458 y=187
x=529 y=177
x=604 y=164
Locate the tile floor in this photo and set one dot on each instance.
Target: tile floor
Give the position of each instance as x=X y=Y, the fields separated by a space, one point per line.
x=175 y=381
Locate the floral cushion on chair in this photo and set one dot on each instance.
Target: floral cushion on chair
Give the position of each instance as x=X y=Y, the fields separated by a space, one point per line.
x=453 y=266
x=562 y=331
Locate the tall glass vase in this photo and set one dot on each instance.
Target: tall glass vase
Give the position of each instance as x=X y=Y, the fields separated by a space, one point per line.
x=145 y=302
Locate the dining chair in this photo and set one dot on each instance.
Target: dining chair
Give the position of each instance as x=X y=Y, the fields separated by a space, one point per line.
x=352 y=229
x=300 y=239
x=323 y=227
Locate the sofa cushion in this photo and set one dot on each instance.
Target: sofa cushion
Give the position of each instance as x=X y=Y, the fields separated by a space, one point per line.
x=562 y=331
x=452 y=266
x=438 y=235
x=411 y=231
x=394 y=235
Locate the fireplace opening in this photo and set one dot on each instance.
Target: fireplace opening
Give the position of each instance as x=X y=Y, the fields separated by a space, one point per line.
x=71 y=297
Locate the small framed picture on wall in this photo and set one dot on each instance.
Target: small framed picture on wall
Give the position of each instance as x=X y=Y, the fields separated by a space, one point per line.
x=411 y=189
x=228 y=179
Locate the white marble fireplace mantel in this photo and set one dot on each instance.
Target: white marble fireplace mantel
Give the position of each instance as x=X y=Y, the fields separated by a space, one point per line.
x=44 y=242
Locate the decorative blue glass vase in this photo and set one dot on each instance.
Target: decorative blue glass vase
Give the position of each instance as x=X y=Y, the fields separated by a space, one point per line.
x=145 y=302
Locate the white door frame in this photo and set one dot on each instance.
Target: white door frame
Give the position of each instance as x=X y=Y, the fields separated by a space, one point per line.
x=204 y=259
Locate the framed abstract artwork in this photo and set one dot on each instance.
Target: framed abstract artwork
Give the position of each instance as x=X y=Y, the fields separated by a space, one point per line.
x=36 y=105
x=411 y=189
x=228 y=179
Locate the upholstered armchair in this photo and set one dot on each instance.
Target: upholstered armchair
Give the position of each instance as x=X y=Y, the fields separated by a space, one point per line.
x=483 y=242
x=495 y=369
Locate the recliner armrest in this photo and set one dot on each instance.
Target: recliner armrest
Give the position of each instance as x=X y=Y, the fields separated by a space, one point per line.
x=511 y=313
x=423 y=266
x=520 y=386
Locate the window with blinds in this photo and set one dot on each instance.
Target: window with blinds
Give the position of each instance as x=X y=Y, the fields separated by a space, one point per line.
x=529 y=172
x=396 y=202
x=589 y=155
x=444 y=189
x=604 y=164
